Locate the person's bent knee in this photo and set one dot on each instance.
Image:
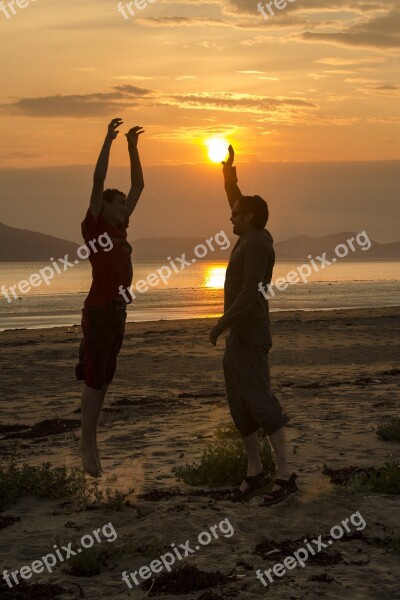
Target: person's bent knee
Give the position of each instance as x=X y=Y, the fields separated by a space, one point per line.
x=272 y=428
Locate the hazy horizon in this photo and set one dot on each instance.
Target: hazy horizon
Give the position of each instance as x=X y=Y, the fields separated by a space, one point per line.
x=315 y=199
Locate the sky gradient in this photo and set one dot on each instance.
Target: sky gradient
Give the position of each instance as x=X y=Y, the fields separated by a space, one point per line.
x=319 y=81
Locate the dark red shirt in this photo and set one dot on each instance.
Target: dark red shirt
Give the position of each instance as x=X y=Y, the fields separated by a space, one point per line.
x=110 y=268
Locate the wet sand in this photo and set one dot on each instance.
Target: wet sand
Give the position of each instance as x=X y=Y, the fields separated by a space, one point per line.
x=337 y=375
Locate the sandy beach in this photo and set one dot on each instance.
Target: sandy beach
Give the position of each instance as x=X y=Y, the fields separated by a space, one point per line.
x=337 y=374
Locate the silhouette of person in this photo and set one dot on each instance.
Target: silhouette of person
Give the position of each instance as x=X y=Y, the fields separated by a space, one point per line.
x=252 y=403
x=104 y=312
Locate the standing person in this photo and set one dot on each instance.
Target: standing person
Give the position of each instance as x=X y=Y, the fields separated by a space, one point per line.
x=247 y=379
x=104 y=312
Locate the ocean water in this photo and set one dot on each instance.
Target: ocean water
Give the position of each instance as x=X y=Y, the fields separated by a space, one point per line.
x=197 y=291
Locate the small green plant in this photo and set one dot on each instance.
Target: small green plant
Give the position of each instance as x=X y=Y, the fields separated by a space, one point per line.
x=92 y=561
x=41 y=482
x=385 y=480
x=17 y=481
x=391 y=544
x=394 y=545
x=224 y=461
x=389 y=431
x=89 y=562
x=114 y=500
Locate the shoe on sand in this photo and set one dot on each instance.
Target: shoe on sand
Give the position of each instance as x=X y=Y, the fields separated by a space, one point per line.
x=286 y=487
x=254 y=482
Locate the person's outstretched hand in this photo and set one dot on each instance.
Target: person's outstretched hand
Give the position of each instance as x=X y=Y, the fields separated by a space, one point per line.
x=112 y=132
x=133 y=135
x=231 y=158
x=215 y=332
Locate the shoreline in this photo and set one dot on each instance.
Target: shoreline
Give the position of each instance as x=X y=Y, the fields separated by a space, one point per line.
x=273 y=316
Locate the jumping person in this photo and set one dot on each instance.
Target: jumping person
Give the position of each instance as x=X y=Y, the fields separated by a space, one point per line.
x=104 y=312
x=246 y=313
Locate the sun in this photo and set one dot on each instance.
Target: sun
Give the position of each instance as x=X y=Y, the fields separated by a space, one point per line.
x=217 y=148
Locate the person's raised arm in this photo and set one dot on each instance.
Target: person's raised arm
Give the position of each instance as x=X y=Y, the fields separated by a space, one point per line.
x=230 y=178
x=100 y=172
x=137 y=182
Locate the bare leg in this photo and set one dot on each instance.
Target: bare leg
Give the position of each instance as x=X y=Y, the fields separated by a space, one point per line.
x=104 y=392
x=92 y=402
x=278 y=443
x=254 y=464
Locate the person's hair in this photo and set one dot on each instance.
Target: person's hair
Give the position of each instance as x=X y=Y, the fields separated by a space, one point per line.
x=108 y=195
x=259 y=209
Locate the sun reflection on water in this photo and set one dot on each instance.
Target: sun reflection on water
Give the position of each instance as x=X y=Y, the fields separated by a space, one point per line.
x=214 y=276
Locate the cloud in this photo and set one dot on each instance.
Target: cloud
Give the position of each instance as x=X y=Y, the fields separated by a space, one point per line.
x=77 y=105
x=382 y=32
x=350 y=61
x=181 y=22
x=6 y=155
x=385 y=89
x=225 y=101
x=123 y=96
x=247 y=7
x=195 y=132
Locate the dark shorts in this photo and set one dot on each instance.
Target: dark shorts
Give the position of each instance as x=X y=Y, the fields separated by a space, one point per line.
x=247 y=379
x=103 y=330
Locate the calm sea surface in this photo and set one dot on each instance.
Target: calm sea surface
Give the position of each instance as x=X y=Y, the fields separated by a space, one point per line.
x=196 y=291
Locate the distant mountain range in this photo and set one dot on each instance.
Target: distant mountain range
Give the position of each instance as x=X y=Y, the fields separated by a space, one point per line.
x=19 y=245
x=301 y=246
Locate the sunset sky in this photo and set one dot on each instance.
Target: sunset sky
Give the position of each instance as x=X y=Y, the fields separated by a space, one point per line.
x=319 y=81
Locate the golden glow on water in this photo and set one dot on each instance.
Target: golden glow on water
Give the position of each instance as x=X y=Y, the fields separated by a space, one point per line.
x=214 y=276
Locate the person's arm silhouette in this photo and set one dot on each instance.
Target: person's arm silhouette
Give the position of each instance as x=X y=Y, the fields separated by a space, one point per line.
x=100 y=172
x=137 y=182
x=231 y=187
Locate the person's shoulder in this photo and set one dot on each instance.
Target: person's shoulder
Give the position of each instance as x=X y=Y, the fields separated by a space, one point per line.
x=91 y=223
x=258 y=245
x=258 y=238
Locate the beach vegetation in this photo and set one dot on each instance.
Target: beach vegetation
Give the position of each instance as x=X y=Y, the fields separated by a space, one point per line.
x=379 y=480
x=390 y=542
x=389 y=431
x=224 y=460
x=55 y=483
x=90 y=562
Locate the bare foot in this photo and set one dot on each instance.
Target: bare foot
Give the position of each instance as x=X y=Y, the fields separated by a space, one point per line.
x=90 y=462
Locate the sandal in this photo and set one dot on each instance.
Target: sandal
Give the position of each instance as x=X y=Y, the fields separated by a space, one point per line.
x=286 y=487
x=254 y=482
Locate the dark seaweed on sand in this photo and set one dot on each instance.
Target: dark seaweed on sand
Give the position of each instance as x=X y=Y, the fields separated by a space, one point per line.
x=343 y=476
x=381 y=480
x=184 y=580
x=274 y=551
x=7 y=521
x=46 y=428
x=323 y=578
x=25 y=591
x=156 y=494
x=210 y=595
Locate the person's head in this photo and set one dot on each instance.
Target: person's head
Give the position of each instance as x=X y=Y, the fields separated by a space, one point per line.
x=249 y=212
x=114 y=206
